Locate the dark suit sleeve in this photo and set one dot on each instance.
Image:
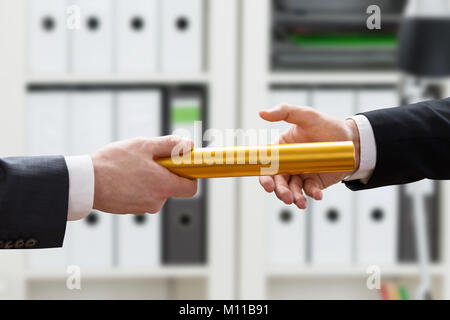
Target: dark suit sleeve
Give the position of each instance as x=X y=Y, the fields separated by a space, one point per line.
x=34 y=195
x=413 y=143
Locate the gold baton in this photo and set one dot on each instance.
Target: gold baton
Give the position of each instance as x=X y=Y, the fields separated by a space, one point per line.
x=243 y=161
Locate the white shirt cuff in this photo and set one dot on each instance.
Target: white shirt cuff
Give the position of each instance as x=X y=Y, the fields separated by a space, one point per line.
x=368 y=150
x=81 y=186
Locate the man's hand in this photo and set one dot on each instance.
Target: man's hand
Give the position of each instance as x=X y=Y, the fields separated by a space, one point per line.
x=128 y=180
x=309 y=125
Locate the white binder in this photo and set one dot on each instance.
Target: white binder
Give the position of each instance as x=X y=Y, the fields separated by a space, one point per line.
x=47 y=36
x=286 y=224
x=139 y=114
x=47 y=123
x=91 y=121
x=296 y=97
x=287 y=233
x=182 y=38
x=377 y=215
x=90 y=239
x=377 y=209
x=332 y=227
x=92 y=44
x=332 y=217
x=47 y=135
x=372 y=99
x=137 y=35
x=339 y=103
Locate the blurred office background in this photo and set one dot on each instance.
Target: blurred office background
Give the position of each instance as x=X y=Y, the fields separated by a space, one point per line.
x=147 y=67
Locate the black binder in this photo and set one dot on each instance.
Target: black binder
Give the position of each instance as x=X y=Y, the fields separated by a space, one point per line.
x=184 y=220
x=407 y=242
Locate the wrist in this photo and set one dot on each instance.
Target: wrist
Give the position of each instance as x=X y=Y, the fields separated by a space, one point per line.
x=98 y=185
x=354 y=137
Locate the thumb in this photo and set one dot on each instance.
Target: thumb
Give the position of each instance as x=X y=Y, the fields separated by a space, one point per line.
x=289 y=113
x=163 y=146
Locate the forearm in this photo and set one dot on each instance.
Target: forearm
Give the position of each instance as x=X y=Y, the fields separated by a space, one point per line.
x=412 y=143
x=33 y=202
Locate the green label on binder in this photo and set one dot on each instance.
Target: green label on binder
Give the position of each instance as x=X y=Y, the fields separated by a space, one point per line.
x=185 y=114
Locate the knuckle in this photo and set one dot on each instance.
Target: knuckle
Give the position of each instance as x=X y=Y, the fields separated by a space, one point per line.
x=140 y=140
x=172 y=139
x=283 y=106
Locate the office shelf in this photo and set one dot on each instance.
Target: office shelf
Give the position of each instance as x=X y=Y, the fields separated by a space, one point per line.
x=218 y=277
x=319 y=77
x=311 y=272
x=163 y=272
x=117 y=79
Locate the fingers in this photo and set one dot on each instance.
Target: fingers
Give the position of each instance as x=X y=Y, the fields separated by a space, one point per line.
x=164 y=146
x=183 y=188
x=312 y=188
x=289 y=113
x=296 y=184
x=268 y=183
x=171 y=184
x=282 y=189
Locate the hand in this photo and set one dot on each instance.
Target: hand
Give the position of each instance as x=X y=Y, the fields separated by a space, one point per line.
x=309 y=125
x=128 y=180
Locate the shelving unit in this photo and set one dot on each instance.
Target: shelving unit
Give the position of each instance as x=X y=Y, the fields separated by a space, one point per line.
x=237 y=32
x=311 y=272
x=344 y=78
x=215 y=280
x=119 y=79
x=169 y=272
x=307 y=281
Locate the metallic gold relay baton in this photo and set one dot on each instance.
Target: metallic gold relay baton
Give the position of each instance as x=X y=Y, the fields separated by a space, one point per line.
x=242 y=161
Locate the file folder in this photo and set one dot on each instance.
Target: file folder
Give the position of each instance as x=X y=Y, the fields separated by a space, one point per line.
x=377 y=209
x=407 y=249
x=47 y=135
x=332 y=235
x=47 y=37
x=47 y=123
x=90 y=239
x=184 y=236
x=185 y=115
x=91 y=114
x=294 y=96
x=377 y=216
x=377 y=98
x=92 y=45
x=137 y=34
x=139 y=114
x=184 y=220
x=332 y=227
x=182 y=38
x=287 y=234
